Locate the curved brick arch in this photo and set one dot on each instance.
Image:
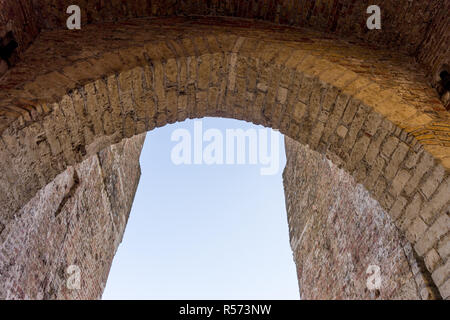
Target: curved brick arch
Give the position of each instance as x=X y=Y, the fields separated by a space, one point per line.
x=390 y=133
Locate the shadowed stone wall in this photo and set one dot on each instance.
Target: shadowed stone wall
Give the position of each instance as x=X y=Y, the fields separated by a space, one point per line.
x=337 y=231
x=369 y=111
x=418 y=28
x=357 y=97
x=77 y=219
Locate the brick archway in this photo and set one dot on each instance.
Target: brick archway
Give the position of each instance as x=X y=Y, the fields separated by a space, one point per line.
x=86 y=92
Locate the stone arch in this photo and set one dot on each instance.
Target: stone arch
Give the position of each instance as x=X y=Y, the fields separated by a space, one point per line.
x=427 y=41
x=389 y=130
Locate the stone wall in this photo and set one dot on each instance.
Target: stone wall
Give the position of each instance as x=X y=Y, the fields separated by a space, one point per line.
x=78 y=219
x=19 y=19
x=419 y=28
x=367 y=110
x=355 y=96
x=337 y=231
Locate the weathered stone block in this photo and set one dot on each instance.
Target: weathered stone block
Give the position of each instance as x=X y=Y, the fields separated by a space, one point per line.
x=432 y=258
x=442 y=274
x=432 y=235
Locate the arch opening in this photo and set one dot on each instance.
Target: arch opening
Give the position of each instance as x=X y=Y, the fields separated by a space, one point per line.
x=326 y=209
x=205 y=230
x=388 y=132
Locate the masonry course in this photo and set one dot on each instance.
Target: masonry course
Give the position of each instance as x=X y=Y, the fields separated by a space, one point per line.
x=337 y=231
x=78 y=219
x=370 y=109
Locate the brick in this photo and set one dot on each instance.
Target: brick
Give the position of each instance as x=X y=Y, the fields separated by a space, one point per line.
x=398 y=207
x=436 y=203
x=389 y=146
x=399 y=182
x=372 y=122
x=316 y=134
x=396 y=159
x=358 y=152
x=416 y=229
x=314 y=101
x=432 y=235
x=432 y=258
x=374 y=146
x=411 y=212
x=354 y=128
x=441 y=274
x=282 y=95
x=412 y=159
x=374 y=173
x=424 y=165
x=444 y=247
x=336 y=115
x=433 y=181
x=350 y=111
x=341 y=131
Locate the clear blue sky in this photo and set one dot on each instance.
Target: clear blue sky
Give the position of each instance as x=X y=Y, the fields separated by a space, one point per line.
x=204 y=231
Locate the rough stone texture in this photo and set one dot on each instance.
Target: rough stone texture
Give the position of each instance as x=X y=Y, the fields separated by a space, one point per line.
x=396 y=135
x=337 y=230
x=78 y=219
x=418 y=28
x=58 y=62
x=364 y=104
x=22 y=19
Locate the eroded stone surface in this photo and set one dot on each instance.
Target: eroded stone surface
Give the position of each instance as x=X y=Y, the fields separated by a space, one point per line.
x=370 y=110
x=337 y=231
x=388 y=138
x=78 y=219
x=419 y=28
